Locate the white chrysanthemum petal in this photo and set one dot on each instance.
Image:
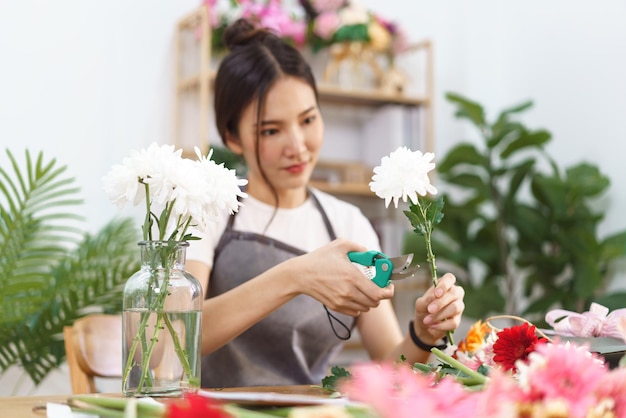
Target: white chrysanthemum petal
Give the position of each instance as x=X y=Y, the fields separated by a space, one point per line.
x=403 y=174
x=198 y=191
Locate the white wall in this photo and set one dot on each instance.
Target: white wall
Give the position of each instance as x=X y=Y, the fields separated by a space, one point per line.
x=85 y=81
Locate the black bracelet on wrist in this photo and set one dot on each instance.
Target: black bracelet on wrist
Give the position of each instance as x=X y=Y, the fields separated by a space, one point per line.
x=421 y=344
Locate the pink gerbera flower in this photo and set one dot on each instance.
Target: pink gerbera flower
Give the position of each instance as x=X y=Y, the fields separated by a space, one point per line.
x=386 y=388
x=396 y=391
x=500 y=396
x=563 y=372
x=613 y=386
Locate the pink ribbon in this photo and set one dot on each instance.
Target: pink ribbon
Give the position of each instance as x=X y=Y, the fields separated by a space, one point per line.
x=597 y=322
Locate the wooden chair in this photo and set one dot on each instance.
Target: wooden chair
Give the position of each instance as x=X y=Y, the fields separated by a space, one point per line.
x=93 y=346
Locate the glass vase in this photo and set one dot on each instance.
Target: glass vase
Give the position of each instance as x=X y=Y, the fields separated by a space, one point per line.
x=161 y=324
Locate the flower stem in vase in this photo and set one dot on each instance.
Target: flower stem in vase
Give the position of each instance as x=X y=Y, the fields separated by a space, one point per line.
x=170 y=363
x=150 y=303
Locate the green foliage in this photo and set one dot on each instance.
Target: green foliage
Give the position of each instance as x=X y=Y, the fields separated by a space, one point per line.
x=425 y=215
x=518 y=227
x=51 y=272
x=331 y=382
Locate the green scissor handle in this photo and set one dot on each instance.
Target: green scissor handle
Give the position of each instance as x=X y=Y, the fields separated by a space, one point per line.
x=380 y=261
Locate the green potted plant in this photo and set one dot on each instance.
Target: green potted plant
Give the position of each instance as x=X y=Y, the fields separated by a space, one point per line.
x=51 y=271
x=521 y=233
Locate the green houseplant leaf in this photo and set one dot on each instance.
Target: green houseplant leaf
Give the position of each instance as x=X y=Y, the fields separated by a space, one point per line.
x=521 y=233
x=51 y=271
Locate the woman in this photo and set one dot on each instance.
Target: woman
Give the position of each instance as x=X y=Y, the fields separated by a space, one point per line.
x=281 y=292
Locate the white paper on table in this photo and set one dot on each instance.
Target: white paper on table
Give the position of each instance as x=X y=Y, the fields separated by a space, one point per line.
x=272 y=398
x=58 y=410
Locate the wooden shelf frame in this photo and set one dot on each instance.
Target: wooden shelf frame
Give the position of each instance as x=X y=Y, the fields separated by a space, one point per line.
x=329 y=93
x=201 y=81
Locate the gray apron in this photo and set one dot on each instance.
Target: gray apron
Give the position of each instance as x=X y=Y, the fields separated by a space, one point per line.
x=294 y=344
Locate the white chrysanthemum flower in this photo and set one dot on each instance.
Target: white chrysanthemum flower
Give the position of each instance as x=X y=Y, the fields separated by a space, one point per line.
x=403 y=174
x=205 y=190
x=196 y=192
x=121 y=186
x=125 y=183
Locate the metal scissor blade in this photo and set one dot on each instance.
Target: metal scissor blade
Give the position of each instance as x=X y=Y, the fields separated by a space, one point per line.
x=402 y=268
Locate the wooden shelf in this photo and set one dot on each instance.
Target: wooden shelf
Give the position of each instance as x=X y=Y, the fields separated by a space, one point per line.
x=194 y=85
x=333 y=94
x=338 y=95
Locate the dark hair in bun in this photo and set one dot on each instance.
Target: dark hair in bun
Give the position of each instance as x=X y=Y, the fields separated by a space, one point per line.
x=241 y=32
x=257 y=58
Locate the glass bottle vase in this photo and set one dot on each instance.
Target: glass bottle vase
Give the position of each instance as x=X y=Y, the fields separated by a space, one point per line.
x=161 y=324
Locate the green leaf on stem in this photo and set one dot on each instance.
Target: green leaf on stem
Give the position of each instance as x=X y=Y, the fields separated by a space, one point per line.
x=331 y=382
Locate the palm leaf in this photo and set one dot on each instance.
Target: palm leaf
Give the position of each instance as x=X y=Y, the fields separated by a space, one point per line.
x=89 y=278
x=51 y=272
x=33 y=234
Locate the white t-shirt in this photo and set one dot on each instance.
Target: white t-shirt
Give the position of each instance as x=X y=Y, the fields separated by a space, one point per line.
x=301 y=227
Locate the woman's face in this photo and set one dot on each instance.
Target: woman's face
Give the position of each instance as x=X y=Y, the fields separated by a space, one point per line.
x=291 y=135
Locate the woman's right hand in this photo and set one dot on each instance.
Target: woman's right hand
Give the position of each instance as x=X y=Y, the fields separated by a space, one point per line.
x=327 y=275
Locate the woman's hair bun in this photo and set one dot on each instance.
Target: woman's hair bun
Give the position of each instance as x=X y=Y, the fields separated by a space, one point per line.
x=242 y=32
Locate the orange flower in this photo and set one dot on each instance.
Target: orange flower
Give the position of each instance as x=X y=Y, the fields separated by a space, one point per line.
x=475 y=337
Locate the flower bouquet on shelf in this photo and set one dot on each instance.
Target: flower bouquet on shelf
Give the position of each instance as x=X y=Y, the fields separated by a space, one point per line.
x=162 y=303
x=349 y=31
x=403 y=174
x=263 y=13
x=337 y=21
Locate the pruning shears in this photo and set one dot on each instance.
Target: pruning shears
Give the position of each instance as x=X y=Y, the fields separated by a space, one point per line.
x=382 y=269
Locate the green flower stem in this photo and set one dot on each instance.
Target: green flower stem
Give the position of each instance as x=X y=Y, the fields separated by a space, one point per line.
x=108 y=406
x=145 y=361
x=147 y=223
x=476 y=378
x=157 y=306
x=240 y=412
x=182 y=354
x=430 y=255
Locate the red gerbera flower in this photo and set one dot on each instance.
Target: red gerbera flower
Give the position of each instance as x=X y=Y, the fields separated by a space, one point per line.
x=196 y=406
x=514 y=343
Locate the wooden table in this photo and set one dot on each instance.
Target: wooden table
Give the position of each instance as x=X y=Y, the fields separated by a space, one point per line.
x=34 y=406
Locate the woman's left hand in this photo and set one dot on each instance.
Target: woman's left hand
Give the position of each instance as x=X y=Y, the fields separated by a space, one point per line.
x=439 y=310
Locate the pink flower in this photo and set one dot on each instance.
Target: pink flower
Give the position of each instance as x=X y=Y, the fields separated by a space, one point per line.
x=613 y=386
x=562 y=372
x=400 y=42
x=327 y=5
x=500 y=397
x=389 y=390
x=214 y=17
x=296 y=30
x=451 y=400
x=273 y=17
x=398 y=392
x=326 y=24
